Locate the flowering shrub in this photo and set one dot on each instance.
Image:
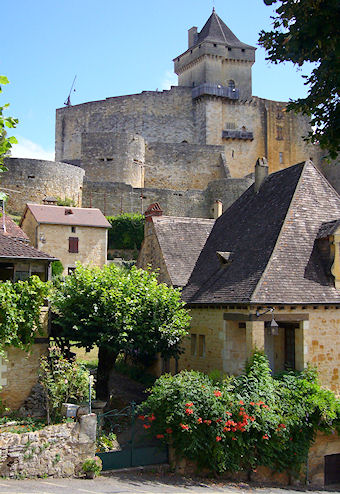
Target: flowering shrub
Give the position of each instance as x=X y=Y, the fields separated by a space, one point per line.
x=246 y=421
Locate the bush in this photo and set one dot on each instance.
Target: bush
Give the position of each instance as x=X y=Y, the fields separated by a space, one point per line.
x=57 y=268
x=93 y=465
x=66 y=201
x=127 y=231
x=250 y=420
x=63 y=380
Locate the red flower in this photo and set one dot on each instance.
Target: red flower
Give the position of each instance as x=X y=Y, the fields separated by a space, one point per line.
x=218 y=438
x=265 y=406
x=184 y=427
x=146 y=426
x=217 y=393
x=252 y=419
x=188 y=411
x=189 y=404
x=241 y=402
x=291 y=439
x=199 y=421
x=226 y=429
x=150 y=419
x=168 y=430
x=252 y=403
x=282 y=426
x=265 y=436
x=208 y=422
x=218 y=420
x=229 y=414
x=233 y=438
x=160 y=436
x=141 y=417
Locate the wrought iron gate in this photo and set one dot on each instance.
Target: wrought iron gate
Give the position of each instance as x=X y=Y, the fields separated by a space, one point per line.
x=135 y=447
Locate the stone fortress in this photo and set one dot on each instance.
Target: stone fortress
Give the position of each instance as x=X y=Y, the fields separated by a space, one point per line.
x=185 y=148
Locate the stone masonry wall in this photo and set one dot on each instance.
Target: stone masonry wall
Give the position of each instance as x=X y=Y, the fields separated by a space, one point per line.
x=114 y=198
x=36 y=179
x=183 y=166
x=156 y=115
x=58 y=450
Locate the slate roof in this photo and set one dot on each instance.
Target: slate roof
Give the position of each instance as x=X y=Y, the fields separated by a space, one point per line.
x=181 y=241
x=216 y=30
x=272 y=238
x=63 y=215
x=14 y=248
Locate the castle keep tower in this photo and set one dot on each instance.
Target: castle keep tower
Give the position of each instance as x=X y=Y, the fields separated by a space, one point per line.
x=216 y=61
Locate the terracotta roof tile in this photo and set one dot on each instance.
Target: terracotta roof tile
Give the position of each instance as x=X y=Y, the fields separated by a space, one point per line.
x=63 y=215
x=14 y=248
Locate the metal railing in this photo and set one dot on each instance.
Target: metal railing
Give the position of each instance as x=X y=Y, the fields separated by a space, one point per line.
x=237 y=134
x=215 y=90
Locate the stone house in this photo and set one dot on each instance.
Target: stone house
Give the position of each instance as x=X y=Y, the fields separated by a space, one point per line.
x=268 y=277
x=172 y=245
x=18 y=261
x=69 y=233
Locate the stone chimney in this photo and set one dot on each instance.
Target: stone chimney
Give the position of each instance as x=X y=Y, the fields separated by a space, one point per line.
x=218 y=209
x=153 y=210
x=192 y=36
x=261 y=173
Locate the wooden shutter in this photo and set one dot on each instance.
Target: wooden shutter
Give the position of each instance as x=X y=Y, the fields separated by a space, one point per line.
x=73 y=243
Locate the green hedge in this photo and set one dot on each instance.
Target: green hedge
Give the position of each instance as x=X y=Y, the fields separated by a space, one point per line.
x=241 y=422
x=127 y=231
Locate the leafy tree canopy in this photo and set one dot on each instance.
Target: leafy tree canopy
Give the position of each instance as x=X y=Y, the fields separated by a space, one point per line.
x=120 y=311
x=127 y=231
x=308 y=31
x=9 y=122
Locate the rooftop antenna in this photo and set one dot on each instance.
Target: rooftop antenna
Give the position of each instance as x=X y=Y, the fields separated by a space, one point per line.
x=68 y=100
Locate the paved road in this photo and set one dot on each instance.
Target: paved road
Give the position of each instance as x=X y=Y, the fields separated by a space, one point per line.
x=136 y=483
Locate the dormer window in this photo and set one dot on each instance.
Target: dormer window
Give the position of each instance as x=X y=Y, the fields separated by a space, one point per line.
x=225 y=258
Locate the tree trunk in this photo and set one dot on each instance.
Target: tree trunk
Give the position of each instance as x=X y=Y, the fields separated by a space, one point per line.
x=106 y=362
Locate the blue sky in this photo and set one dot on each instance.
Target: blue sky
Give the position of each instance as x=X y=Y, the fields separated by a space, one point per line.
x=114 y=48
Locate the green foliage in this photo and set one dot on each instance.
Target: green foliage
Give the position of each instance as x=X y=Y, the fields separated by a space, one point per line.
x=9 y=122
x=246 y=421
x=64 y=381
x=66 y=201
x=20 y=307
x=135 y=372
x=307 y=31
x=21 y=425
x=94 y=465
x=106 y=442
x=127 y=231
x=57 y=268
x=120 y=311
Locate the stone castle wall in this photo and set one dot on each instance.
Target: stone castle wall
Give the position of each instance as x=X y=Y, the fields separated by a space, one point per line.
x=35 y=179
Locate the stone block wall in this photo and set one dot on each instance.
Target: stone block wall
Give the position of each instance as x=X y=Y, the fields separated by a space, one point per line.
x=36 y=179
x=183 y=166
x=58 y=450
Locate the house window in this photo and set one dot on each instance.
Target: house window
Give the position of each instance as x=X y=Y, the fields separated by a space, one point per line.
x=73 y=229
x=70 y=270
x=201 y=345
x=73 y=245
x=289 y=363
x=279 y=135
x=281 y=158
x=193 y=345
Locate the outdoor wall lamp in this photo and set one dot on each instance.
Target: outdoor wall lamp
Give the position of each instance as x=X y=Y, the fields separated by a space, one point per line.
x=272 y=325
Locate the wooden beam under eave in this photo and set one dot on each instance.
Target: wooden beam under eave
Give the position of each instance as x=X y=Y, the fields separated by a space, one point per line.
x=234 y=316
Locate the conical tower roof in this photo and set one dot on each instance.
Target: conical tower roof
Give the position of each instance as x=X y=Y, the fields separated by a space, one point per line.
x=217 y=31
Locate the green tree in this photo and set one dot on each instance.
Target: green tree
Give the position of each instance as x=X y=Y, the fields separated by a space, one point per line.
x=20 y=311
x=120 y=311
x=308 y=31
x=9 y=122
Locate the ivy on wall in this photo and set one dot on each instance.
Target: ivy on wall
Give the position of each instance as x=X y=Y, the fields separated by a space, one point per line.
x=127 y=231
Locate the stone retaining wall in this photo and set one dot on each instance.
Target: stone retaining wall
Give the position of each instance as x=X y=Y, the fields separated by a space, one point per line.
x=57 y=450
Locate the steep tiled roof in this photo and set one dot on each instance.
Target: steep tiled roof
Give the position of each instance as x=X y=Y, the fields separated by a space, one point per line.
x=271 y=236
x=63 y=215
x=181 y=241
x=12 y=229
x=14 y=248
x=216 y=30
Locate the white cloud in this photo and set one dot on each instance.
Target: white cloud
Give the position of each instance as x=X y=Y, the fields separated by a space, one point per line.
x=29 y=149
x=169 y=79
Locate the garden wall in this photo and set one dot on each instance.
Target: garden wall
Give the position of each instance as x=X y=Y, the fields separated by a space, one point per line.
x=57 y=450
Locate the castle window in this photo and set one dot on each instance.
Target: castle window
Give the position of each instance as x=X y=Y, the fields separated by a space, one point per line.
x=243 y=50
x=201 y=345
x=73 y=245
x=279 y=135
x=279 y=114
x=109 y=159
x=215 y=45
x=229 y=49
x=231 y=84
x=281 y=158
x=31 y=176
x=230 y=126
x=232 y=153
